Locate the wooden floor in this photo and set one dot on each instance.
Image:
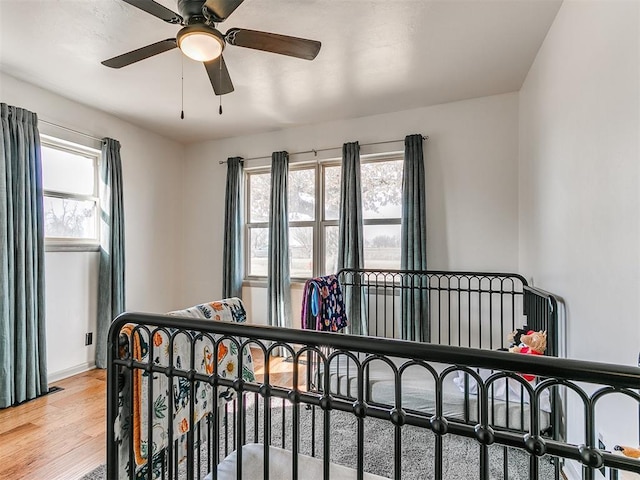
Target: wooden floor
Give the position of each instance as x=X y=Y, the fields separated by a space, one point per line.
x=61 y=436
x=58 y=436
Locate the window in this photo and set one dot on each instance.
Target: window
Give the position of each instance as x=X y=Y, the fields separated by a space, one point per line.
x=381 y=185
x=258 y=187
x=314 y=202
x=302 y=221
x=70 y=182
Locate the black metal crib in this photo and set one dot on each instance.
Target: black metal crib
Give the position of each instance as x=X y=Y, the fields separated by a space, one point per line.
x=369 y=406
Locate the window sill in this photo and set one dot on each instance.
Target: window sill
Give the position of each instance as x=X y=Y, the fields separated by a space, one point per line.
x=262 y=283
x=71 y=247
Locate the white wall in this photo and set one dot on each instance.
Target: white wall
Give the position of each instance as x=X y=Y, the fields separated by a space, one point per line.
x=71 y=283
x=471 y=168
x=579 y=183
x=152 y=177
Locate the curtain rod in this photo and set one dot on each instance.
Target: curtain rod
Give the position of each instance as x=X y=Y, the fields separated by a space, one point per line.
x=316 y=150
x=70 y=130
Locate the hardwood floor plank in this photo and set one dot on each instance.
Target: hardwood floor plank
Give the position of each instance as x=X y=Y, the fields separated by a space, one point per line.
x=58 y=436
x=17 y=442
x=77 y=461
x=13 y=417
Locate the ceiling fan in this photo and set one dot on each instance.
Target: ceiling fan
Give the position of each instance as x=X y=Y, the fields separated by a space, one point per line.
x=200 y=40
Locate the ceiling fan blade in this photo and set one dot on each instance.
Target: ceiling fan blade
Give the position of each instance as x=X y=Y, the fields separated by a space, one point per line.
x=157 y=10
x=141 y=53
x=272 y=42
x=219 y=76
x=221 y=9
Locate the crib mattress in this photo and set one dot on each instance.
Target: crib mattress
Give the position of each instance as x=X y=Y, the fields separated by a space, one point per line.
x=309 y=468
x=418 y=393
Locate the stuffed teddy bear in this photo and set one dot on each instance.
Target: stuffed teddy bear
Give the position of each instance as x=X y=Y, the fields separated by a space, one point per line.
x=532 y=343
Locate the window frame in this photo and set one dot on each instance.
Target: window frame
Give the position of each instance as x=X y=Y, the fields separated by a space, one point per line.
x=248 y=225
x=313 y=224
x=320 y=223
x=321 y=260
x=380 y=158
x=93 y=154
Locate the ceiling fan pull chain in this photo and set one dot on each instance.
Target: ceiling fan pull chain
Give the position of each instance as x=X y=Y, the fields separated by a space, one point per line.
x=220 y=109
x=182 y=87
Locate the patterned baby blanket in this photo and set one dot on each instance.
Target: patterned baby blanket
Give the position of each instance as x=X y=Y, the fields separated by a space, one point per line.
x=230 y=310
x=323 y=305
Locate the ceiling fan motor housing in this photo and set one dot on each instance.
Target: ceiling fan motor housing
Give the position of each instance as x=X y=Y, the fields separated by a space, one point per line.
x=191 y=12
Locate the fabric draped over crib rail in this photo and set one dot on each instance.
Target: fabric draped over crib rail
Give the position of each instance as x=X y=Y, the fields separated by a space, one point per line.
x=148 y=346
x=323 y=305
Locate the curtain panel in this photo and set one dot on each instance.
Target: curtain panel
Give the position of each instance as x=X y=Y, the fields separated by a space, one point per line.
x=350 y=242
x=278 y=278
x=415 y=321
x=23 y=370
x=111 y=286
x=233 y=219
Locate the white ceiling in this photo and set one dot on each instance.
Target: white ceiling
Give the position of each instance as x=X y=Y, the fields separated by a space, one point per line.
x=377 y=56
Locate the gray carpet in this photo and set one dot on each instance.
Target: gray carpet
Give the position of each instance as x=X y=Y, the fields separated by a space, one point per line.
x=99 y=473
x=460 y=455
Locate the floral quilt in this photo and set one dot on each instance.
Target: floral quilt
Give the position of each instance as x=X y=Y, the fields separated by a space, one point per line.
x=230 y=310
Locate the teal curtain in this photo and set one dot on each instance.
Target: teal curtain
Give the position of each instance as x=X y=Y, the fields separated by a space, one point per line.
x=278 y=278
x=415 y=322
x=23 y=369
x=111 y=301
x=350 y=243
x=232 y=250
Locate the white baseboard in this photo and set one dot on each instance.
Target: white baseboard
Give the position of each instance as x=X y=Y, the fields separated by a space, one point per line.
x=68 y=372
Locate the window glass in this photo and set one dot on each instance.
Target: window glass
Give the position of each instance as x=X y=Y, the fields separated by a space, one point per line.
x=381 y=184
x=301 y=252
x=64 y=171
x=258 y=251
x=68 y=218
x=332 y=177
x=381 y=246
x=260 y=189
x=302 y=195
x=330 y=249
x=69 y=179
x=314 y=239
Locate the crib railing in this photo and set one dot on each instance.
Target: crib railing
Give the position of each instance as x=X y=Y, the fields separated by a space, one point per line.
x=544 y=311
x=590 y=381
x=469 y=309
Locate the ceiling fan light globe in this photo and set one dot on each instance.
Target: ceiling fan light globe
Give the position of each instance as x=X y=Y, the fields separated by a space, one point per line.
x=200 y=45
